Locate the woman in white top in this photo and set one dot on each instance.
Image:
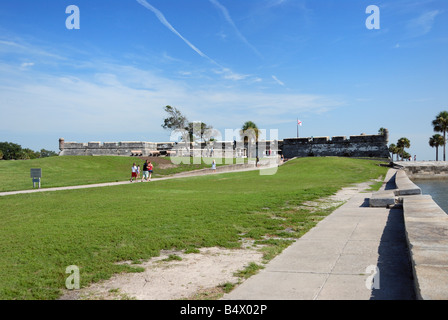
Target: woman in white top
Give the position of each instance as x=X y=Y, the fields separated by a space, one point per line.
x=134 y=172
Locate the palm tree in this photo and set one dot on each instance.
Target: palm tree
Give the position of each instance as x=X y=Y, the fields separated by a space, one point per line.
x=249 y=128
x=249 y=132
x=393 y=150
x=441 y=125
x=402 y=144
x=436 y=141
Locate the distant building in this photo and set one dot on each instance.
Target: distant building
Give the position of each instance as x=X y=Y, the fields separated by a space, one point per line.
x=365 y=146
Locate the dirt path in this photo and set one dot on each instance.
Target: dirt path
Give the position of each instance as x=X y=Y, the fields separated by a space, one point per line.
x=195 y=276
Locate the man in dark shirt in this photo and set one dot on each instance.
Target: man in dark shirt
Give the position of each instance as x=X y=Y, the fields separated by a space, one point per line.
x=145 y=171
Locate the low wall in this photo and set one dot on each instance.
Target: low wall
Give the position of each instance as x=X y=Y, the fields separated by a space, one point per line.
x=426 y=227
x=405 y=186
x=424 y=169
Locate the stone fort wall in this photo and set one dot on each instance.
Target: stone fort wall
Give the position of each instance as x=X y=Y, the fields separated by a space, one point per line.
x=368 y=146
x=126 y=148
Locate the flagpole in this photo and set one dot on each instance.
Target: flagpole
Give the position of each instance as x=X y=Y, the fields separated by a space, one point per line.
x=297 y=127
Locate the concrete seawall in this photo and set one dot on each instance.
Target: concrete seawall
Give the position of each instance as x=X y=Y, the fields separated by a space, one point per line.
x=424 y=169
x=426 y=226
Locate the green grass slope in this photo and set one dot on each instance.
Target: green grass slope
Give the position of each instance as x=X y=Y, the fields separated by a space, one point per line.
x=79 y=170
x=42 y=234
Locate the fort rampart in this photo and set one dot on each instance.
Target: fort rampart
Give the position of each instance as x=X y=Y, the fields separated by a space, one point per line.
x=364 y=146
x=368 y=146
x=126 y=148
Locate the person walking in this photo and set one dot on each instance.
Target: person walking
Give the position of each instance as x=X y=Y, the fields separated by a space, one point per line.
x=145 y=171
x=134 y=172
x=214 y=166
x=150 y=168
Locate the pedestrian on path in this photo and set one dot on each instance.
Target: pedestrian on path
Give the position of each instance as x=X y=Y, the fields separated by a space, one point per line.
x=150 y=168
x=134 y=172
x=145 y=171
x=214 y=166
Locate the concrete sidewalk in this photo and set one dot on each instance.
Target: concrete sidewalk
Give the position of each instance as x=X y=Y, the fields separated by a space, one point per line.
x=332 y=260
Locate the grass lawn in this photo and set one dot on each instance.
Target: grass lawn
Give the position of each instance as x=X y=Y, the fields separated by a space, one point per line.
x=79 y=170
x=42 y=234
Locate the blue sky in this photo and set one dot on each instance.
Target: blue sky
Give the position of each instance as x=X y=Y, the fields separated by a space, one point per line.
x=222 y=62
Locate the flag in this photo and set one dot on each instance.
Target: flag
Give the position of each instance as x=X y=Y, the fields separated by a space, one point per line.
x=299 y=122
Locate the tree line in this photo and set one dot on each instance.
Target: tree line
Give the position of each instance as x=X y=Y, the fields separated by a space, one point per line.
x=14 y=151
x=399 y=148
x=192 y=131
x=440 y=124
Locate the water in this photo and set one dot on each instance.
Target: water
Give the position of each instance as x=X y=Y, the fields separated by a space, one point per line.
x=438 y=189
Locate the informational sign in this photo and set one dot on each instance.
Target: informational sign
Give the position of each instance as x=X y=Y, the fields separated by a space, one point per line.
x=36 y=174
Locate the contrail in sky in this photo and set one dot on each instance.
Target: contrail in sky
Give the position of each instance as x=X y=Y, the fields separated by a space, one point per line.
x=165 y=22
x=228 y=74
x=278 y=81
x=229 y=19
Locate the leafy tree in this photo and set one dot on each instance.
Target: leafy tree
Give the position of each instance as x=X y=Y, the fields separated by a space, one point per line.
x=382 y=131
x=436 y=141
x=175 y=121
x=29 y=154
x=393 y=150
x=47 y=153
x=405 y=155
x=249 y=133
x=11 y=150
x=401 y=145
x=190 y=131
x=440 y=124
x=198 y=130
x=249 y=130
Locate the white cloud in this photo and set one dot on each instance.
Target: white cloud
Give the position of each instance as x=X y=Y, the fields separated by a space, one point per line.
x=229 y=20
x=25 y=65
x=18 y=46
x=422 y=24
x=278 y=81
x=123 y=99
x=230 y=75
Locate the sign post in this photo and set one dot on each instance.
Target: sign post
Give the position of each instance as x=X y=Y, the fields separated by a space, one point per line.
x=36 y=174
